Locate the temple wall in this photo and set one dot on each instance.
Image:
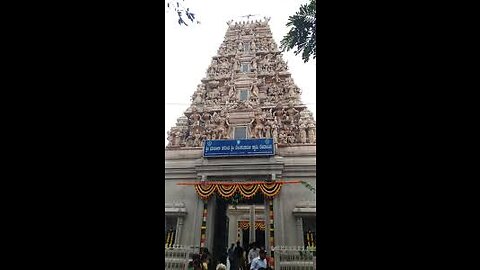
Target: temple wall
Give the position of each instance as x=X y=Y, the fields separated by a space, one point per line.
x=292 y=163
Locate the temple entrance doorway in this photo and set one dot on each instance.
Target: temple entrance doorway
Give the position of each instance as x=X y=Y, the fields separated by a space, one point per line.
x=234 y=218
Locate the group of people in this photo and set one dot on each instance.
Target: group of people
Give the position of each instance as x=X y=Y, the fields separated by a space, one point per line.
x=201 y=260
x=238 y=258
x=251 y=258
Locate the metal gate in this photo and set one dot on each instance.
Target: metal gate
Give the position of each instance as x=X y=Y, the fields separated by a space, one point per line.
x=177 y=257
x=294 y=258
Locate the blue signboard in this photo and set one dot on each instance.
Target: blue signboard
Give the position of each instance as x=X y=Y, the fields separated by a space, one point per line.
x=249 y=147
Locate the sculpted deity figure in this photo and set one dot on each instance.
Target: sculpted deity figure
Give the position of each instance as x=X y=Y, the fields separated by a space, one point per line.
x=253 y=45
x=268 y=128
x=303 y=133
x=208 y=133
x=236 y=64
x=292 y=92
x=170 y=138
x=178 y=138
x=266 y=59
x=278 y=113
x=257 y=124
x=272 y=89
x=254 y=89
x=214 y=63
x=197 y=138
x=282 y=137
x=289 y=81
x=223 y=93
x=268 y=114
x=277 y=78
x=222 y=125
x=240 y=47
x=291 y=112
x=189 y=141
x=281 y=66
x=311 y=132
x=273 y=46
x=275 y=131
x=278 y=58
x=206 y=117
x=250 y=104
x=291 y=139
x=195 y=117
x=221 y=51
x=231 y=91
x=198 y=97
x=254 y=63
x=224 y=63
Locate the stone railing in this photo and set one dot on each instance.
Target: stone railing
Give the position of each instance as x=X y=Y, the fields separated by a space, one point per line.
x=294 y=258
x=177 y=257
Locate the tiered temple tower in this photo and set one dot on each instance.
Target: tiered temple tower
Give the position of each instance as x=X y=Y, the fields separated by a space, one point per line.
x=247 y=93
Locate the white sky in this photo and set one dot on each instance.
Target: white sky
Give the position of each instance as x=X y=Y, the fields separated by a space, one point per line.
x=189 y=49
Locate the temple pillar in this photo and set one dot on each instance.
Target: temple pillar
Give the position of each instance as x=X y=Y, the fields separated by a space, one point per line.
x=178 y=233
x=211 y=222
x=300 y=241
x=252 y=223
x=267 y=227
x=232 y=229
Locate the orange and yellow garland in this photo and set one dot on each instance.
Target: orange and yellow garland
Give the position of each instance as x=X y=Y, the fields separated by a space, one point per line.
x=245 y=225
x=247 y=190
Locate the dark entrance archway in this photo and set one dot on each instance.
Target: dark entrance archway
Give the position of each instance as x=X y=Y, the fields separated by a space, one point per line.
x=220 y=235
x=221 y=226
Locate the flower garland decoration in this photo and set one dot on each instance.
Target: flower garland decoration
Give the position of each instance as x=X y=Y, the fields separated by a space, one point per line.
x=245 y=225
x=247 y=191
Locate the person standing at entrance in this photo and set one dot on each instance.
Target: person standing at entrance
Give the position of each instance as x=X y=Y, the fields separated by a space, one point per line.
x=237 y=256
x=260 y=262
x=205 y=261
x=253 y=253
x=230 y=257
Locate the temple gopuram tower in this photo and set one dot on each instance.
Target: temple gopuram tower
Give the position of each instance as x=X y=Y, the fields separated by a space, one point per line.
x=236 y=159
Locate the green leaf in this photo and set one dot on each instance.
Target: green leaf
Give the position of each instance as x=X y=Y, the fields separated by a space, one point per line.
x=302 y=36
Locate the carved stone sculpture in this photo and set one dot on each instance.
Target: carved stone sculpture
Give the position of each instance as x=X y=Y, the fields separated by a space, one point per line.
x=274 y=98
x=291 y=113
x=268 y=129
x=222 y=125
x=198 y=99
x=206 y=117
x=257 y=124
x=240 y=47
x=254 y=63
x=303 y=133
x=231 y=91
x=282 y=137
x=236 y=64
x=278 y=113
x=311 y=132
x=195 y=117
x=254 y=89
x=253 y=46
x=275 y=131
x=197 y=138
x=169 y=138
